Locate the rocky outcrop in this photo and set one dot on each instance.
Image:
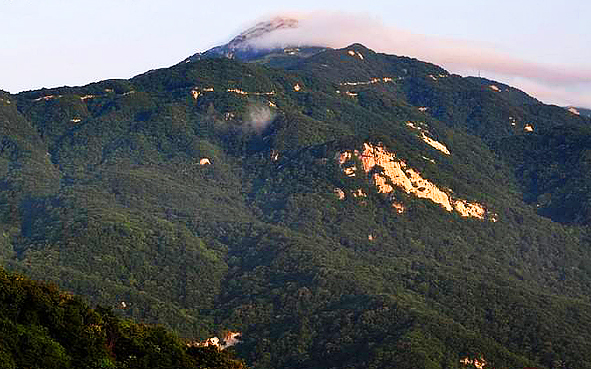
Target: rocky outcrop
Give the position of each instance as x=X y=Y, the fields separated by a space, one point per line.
x=230 y=339
x=393 y=172
x=428 y=140
x=478 y=363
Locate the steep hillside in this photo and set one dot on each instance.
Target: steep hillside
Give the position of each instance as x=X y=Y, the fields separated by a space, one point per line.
x=351 y=209
x=45 y=328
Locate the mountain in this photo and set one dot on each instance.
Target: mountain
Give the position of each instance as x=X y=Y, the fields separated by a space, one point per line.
x=345 y=208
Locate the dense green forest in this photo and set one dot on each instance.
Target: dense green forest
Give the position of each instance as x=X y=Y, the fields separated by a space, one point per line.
x=43 y=327
x=205 y=198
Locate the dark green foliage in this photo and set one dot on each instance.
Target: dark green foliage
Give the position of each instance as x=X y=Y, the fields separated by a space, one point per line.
x=44 y=328
x=554 y=167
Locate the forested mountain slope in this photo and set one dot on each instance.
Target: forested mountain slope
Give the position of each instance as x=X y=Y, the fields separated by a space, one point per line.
x=351 y=209
x=45 y=328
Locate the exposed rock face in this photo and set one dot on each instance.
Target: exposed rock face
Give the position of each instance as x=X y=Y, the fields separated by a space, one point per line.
x=435 y=144
x=395 y=173
x=478 y=363
x=428 y=140
x=574 y=111
x=469 y=209
x=230 y=339
x=370 y=82
x=47 y=98
x=355 y=54
x=398 y=207
x=359 y=193
x=274 y=155
x=197 y=91
x=213 y=341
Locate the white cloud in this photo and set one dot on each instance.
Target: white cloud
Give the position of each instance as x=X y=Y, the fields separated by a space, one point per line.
x=549 y=83
x=259 y=117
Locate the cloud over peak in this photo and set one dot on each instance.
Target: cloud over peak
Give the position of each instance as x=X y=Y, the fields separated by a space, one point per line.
x=558 y=84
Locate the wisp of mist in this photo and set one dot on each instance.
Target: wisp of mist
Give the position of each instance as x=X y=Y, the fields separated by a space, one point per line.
x=259 y=117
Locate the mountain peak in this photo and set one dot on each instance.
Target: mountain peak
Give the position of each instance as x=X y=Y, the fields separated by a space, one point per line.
x=358 y=47
x=244 y=46
x=261 y=29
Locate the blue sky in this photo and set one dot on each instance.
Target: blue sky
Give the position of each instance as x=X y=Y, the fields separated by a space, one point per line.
x=540 y=46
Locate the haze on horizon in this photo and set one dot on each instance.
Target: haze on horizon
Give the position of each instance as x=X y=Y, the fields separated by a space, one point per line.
x=537 y=46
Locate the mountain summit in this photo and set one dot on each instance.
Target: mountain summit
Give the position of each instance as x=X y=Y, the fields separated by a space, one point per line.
x=244 y=46
x=261 y=29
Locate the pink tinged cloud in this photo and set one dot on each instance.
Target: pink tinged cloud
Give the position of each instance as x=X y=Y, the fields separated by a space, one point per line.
x=558 y=84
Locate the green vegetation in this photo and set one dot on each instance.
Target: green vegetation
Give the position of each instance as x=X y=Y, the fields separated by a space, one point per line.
x=102 y=191
x=45 y=328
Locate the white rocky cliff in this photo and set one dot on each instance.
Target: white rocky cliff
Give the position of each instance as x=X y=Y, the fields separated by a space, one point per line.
x=395 y=173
